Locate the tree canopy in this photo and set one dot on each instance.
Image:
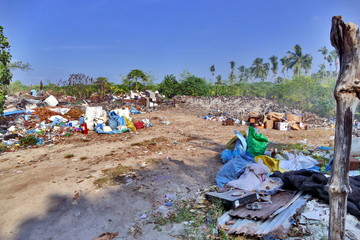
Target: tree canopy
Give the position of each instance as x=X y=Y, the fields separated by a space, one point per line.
x=5 y=73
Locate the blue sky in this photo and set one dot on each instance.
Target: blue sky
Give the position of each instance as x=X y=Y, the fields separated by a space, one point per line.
x=108 y=38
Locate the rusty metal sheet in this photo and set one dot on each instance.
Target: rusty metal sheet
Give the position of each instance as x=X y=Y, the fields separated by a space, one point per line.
x=277 y=226
x=278 y=200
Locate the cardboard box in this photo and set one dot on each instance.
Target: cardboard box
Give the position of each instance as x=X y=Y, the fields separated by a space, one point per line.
x=283 y=126
x=252 y=120
x=293 y=117
x=269 y=124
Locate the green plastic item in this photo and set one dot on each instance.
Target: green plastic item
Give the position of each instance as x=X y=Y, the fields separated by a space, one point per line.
x=256 y=143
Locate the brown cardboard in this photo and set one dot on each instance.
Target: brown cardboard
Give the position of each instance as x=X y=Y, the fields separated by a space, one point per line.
x=269 y=124
x=293 y=117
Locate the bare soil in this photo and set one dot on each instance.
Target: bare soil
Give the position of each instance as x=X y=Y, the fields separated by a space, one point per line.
x=49 y=192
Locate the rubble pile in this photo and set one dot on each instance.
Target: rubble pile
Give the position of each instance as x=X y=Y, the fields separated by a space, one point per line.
x=258 y=112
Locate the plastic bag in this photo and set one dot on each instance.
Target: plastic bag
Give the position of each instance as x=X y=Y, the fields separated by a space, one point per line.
x=130 y=124
x=233 y=168
x=252 y=178
x=238 y=149
x=256 y=142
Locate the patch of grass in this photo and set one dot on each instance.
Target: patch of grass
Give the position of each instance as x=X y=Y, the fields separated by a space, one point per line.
x=288 y=147
x=200 y=223
x=69 y=155
x=113 y=176
x=102 y=182
x=323 y=161
x=151 y=142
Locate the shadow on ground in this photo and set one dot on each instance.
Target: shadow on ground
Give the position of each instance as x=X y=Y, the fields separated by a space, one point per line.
x=118 y=208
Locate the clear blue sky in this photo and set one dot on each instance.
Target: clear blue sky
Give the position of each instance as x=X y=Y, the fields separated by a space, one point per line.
x=109 y=38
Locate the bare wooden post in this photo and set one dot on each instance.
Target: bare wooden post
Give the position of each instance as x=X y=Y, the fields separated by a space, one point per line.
x=345 y=38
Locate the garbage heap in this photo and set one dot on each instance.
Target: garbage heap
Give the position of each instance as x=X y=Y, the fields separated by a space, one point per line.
x=264 y=189
x=36 y=120
x=272 y=120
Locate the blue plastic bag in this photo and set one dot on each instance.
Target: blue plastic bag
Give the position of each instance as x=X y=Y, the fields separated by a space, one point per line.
x=239 y=148
x=233 y=168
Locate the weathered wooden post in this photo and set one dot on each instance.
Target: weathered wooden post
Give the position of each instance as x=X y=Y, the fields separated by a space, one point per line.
x=345 y=38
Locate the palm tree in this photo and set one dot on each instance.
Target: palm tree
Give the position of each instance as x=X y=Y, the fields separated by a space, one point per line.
x=274 y=65
x=241 y=69
x=218 y=80
x=298 y=61
x=330 y=60
x=232 y=75
x=212 y=70
x=307 y=63
x=322 y=70
x=335 y=57
x=285 y=62
x=260 y=69
x=323 y=50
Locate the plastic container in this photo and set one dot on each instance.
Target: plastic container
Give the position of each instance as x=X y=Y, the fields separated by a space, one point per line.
x=84 y=128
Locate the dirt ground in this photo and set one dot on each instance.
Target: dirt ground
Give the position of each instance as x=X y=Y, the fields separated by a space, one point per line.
x=49 y=192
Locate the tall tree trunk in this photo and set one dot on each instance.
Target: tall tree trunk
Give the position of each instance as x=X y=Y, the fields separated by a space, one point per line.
x=345 y=38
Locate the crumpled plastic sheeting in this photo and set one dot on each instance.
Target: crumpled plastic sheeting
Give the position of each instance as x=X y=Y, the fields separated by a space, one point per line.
x=233 y=168
x=252 y=178
x=296 y=162
x=239 y=148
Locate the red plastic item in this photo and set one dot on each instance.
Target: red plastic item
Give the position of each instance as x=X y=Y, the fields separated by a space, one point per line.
x=139 y=125
x=84 y=128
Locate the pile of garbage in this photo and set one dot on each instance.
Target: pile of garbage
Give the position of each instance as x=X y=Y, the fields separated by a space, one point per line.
x=271 y=120
x=264 y=188
x=45 y=125
x=239 y=110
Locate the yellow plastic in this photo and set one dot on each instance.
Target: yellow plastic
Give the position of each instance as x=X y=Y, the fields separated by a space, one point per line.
x=130 y=124
x=272 y=163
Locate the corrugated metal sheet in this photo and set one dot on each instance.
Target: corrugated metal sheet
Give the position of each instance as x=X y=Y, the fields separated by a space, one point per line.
x=278 y=226
x=278 y=200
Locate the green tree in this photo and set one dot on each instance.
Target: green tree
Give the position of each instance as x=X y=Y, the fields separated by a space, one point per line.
x=324 y=51
x=260 y=69
x=242 y=73
x=298 y=61
x=218 y=80
x=285 y=62
x=103 y=85
x=274 y=66
x=17 y=86
x=5 y=73
x=136 y=75
x=20 y=65
x=169 y=86
x=335 y=57
x=194 y=86
x=232 y=73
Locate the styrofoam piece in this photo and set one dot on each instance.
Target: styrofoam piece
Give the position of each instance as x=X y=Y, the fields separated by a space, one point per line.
x=51 y=101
